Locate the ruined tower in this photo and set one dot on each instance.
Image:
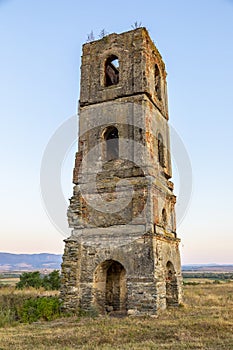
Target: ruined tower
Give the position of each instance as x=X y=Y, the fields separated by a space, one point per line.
x=123 y=253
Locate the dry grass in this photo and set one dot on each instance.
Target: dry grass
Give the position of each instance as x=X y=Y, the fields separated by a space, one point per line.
x=31 y=292
x=9 y=281
x=205 y=322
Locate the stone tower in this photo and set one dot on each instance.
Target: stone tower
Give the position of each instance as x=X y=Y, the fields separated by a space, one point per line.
x=123 y=253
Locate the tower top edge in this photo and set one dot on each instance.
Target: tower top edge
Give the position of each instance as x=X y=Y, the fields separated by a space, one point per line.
x=139 y=32
x=128 y=32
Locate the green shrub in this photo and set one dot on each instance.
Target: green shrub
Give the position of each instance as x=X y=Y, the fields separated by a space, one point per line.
x=46 y=308
x=29 y=279
x=34 y=279
x=27 y=308
x=52 y=281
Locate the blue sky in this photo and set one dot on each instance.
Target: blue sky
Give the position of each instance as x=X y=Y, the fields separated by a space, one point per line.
x=39 y=86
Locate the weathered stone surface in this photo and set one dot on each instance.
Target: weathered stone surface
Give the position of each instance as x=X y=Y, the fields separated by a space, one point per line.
x=123 y=253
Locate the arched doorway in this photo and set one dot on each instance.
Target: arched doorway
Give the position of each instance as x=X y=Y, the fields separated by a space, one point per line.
x=171 y=285
x=109 y=287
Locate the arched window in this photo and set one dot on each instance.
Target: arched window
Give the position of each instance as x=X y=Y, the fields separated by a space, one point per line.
x=158 y=82
x=164 y=216
x=112 y=143
x=111 y=71
x=161 y=150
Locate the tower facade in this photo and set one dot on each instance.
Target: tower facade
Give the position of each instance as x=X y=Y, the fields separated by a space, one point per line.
x=123 y=253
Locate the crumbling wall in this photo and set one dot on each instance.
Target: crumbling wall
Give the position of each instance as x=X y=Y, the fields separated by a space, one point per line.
x=123 y=253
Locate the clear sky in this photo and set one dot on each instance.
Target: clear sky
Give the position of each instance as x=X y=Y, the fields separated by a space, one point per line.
x=40 y=43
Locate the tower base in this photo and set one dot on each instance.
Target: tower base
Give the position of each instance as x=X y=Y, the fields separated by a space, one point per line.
x=139 y=276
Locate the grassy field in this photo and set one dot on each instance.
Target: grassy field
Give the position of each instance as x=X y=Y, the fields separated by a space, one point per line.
x=204 y=322
x=11 y=281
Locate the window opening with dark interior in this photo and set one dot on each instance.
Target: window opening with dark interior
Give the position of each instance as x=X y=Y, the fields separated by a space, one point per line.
x=112 y=143
x=111 y=71
x=158 y=82
x=164 y=216
x=160 y=150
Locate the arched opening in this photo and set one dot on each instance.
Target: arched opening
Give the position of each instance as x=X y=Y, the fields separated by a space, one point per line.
x=158 y=82
x=164 y=216
x=115 y=275
x=171 y=285
x=161 y=150
x=112 y=71
x=110 y=287
x=111 y=143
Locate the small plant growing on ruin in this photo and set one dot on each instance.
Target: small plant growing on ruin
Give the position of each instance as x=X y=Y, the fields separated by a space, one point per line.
x=136 y=25
x=103 y=33
x=90 y=37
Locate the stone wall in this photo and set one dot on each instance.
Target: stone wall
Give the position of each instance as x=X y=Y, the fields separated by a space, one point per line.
x=123 y=253
x=144 y=285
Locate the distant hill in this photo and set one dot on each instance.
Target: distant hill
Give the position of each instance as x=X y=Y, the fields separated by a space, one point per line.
x=208 y=268
x=29 y=262
x=46 y=261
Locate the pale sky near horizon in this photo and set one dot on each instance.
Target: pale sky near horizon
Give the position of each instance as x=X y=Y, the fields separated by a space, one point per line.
x=41 y=44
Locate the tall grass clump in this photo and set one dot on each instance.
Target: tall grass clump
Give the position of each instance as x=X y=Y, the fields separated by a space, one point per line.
x=27 y=306
x=7 y=317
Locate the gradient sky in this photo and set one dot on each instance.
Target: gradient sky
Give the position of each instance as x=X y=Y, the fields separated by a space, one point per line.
x=40 y=44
